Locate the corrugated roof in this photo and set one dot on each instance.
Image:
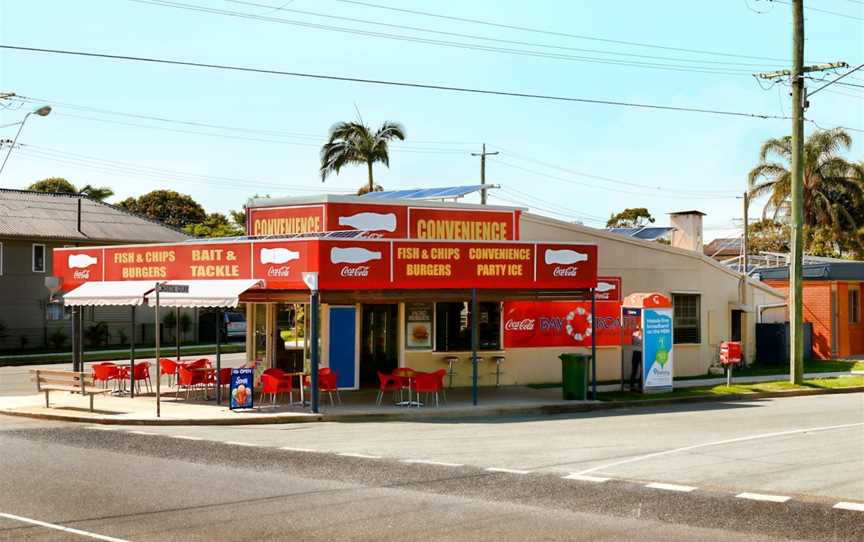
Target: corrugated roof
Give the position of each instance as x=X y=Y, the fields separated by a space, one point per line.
x=646 y=233
x=40 y=215
x=851 y=270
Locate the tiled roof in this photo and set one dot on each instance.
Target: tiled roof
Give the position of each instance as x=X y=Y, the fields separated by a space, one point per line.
x=850 y=270
x=39 y=215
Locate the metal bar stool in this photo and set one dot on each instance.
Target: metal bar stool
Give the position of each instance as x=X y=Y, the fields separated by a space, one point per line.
x=451 y=367
x=497 y=360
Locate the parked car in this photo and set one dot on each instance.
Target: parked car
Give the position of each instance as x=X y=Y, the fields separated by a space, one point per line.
x=235 y=325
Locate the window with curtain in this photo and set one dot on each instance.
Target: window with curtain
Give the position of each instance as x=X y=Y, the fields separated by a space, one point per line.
x=854 y=306
x=687 y=324
x=453 y=326
x=38 y=258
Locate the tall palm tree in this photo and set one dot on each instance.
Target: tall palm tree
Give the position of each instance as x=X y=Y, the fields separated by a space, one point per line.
x=829 y=179
x=355 y=143
x=100 y=193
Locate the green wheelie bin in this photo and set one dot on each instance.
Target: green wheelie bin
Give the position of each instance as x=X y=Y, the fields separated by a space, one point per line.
x=574 y=376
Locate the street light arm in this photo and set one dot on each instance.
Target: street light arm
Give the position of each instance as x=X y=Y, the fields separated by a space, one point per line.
x=14 y=141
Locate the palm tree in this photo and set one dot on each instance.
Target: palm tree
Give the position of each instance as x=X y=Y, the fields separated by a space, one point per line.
x=100 y=193
x=355 y=143
x=829 y=179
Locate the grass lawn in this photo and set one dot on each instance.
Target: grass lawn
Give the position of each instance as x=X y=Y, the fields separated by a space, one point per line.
x=114 y=355
x=721 y=389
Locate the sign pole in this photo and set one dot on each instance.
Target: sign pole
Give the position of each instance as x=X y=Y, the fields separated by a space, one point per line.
x=132 y=358
x=158 y=325
x=220 y=316
x=475 y=328
x=177 y=330
x=313 y=345
x=593 y=344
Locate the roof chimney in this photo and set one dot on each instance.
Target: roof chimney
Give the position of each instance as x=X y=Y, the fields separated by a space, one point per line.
x=688 y=230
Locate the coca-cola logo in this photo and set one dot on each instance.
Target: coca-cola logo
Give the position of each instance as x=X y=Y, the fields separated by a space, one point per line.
x=355 y=271
x=570 y=271
x=81 y=274
x=281 y=271
x=526 y=324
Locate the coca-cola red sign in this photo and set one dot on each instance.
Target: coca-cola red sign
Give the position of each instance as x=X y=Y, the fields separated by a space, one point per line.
x=525 y=324
x=529 y=324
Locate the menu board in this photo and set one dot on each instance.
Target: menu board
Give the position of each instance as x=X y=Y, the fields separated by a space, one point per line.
x=418 y=326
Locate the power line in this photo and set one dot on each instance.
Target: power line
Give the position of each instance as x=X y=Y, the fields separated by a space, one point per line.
x=452 y=44
x=836 y=13
x=559 y=34
x=394 y=83
x=835 y=80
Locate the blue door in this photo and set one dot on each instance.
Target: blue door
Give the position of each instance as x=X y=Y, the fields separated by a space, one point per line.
x=343 y=345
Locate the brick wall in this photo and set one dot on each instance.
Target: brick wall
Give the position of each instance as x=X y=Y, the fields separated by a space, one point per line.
x=850 y=339
x=817 y=311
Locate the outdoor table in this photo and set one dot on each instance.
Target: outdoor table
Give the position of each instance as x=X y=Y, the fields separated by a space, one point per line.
x=205 y=370
x=409 y=375
x=299 y=375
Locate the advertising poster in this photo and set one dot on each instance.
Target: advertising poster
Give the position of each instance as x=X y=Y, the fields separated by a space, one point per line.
x=657 y=349
x=241 y=388
x=533 y=324
x=418 y=321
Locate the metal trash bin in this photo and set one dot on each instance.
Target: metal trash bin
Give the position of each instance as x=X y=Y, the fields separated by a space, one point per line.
x=574 y=376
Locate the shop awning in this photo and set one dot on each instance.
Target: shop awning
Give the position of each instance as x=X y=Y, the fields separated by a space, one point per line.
x=205 y=293
x=109 y=293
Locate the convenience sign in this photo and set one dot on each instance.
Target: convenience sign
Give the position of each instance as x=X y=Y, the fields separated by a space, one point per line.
x=342 y=264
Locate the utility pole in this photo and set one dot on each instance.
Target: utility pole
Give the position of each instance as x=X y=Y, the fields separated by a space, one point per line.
x=799 y=104
x=483 y=156
x=745 y=241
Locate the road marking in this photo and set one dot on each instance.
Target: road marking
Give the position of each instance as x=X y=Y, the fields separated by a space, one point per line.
x=185 y=437
x=430 y=462
x=510 y=471
x=854 y=506
x=235 y=443
x=62 y=528
x=306 y=450
x=141 y=433
x=670 y=487
x=361 y=456
x=716 y=443
x=102 y=428
x=586 y=478
x=763 y=497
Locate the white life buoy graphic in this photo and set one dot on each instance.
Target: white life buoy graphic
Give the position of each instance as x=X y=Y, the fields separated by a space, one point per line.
x=578 y=324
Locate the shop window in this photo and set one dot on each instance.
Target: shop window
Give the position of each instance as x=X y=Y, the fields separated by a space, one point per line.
x=418 y=326
x=57 y=311
x=453 y=327
x=38 y=258
x=687 y=322
x=854 y=306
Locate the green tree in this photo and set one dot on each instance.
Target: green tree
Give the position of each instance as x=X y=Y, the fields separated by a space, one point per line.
x=356 y=143
x=630 y=218
x=215 y=225
x=168 y=207
x=768 y=235
x=54 y=184
x=59 y=184
x=833 y=187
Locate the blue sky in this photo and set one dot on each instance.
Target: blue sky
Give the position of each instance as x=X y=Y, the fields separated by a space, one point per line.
x=578 y=161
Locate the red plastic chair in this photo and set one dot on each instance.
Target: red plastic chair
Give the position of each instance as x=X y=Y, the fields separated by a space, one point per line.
x=327 y=380
x=189 y=380
x=272 y=385
x=225 y=376
x=168 y=367
x=105 y=373
x=428 y=383
x=387 y=383
x=141 y=371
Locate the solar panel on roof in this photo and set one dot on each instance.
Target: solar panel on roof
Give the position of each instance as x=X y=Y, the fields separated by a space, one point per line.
x=427 y=193
x=650 y=234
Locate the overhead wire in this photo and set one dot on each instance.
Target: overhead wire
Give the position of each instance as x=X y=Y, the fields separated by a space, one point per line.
x=820 y=10
x=447 y=88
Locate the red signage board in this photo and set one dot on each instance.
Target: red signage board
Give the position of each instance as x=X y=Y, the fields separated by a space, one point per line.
x=608 y=289
x=285 y=220
x=532 y=324
x=342 y=264
x=387 y=221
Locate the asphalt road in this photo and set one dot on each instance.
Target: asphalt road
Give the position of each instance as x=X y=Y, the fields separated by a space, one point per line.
x=240 y=483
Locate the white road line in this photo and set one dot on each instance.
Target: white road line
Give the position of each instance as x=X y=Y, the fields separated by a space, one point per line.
x=716 y=443
x=62 y=528
x=670 y=487
x=510 y=471
x=141 y=433
x=185 y=437
x=854 y=506
x=102 y=428
x=763 y=497
x=586 y=478
x=306 y=450
x=361 y=456
x=430 y=462
x=235 y=443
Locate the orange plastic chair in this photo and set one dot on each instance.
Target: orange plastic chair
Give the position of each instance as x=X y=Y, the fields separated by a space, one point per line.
x=272 y=386
x=141 y=371
x=327 y=379
x=105 y=373
x=386 y=383
x=428 y=383
x=168 y=367
x=189 y=380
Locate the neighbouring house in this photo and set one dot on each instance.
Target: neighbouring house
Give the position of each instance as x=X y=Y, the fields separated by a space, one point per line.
x=832 y=303
x=34 y=223
x=723 y=248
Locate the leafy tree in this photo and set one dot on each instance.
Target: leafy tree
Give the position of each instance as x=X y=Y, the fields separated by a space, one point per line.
x=168 y=207
x=59 y=184
x=356 y=143
x=768 y=235
x=239 y=218
x=833 y=188
x=215 y=225
x=54 y=184
x=633 y=217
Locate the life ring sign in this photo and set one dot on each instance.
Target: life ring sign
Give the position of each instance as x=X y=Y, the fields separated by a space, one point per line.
x=578 y=324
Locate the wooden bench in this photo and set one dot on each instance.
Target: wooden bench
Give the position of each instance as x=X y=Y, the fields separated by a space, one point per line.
x=48 y=381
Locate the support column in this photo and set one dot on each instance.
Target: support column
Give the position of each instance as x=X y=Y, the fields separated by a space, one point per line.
x=594 y=345
x=313 y=354
x=177 y=331
x=250 y=332
x=220 y=317
x=475 y=339
x=76 y=315
x=132 y=358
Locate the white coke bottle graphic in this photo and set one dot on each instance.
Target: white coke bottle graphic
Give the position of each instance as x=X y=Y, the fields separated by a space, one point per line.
x=605 y=287
x=370 y=221
x=353 y=255
x=563 y=256
x=278 y=255
x=80 y=261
